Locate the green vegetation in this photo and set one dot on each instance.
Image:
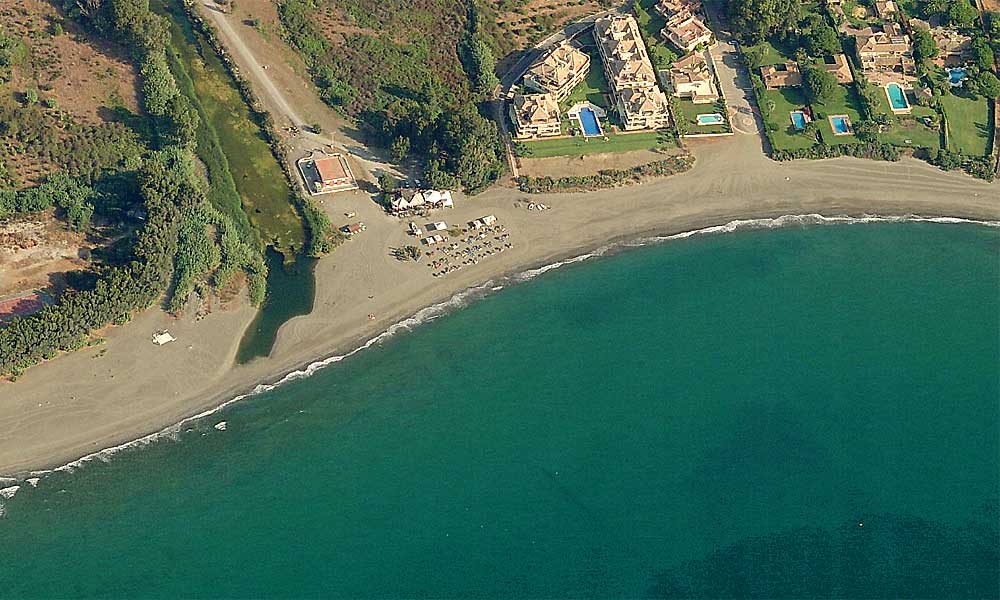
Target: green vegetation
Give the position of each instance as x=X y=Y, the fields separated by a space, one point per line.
x=651 y=24
x=594 y=88
x=402 y=79
x=580 y=146
x=12 y=53
x=753 y=21
x=968 y=124
x=607 y=178
x=158 y=200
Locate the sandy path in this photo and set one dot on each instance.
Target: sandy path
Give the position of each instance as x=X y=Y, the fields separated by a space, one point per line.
x=82 y=402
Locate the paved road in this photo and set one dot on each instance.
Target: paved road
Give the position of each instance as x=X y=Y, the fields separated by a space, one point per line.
x=733 y=74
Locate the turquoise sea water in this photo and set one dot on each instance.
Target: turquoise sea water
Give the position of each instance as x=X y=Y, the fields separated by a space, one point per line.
x=787 y=413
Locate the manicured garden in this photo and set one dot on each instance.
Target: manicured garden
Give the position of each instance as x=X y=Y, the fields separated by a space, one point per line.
x=969 y=127
x=780 y=103
x=689 y=111
x=579 y=145
x=843 y=101
x=594 y=88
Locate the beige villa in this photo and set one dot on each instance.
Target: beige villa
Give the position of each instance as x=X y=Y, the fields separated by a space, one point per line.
x=639 y=101
x=691 y=78
x=644 y=108
x=686 y=31
x=535 y=115
x=886 y=55
x=684 y=26
x=559 y=71
x=781 y=75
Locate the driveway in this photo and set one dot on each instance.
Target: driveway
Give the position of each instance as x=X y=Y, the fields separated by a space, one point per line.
x=733 y=74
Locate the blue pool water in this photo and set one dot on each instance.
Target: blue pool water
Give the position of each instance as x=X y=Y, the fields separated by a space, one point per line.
x=840 y=124
x=955 y=76
x=798 y=119
x=897 y=97
x=588 y=120
x=710 y=119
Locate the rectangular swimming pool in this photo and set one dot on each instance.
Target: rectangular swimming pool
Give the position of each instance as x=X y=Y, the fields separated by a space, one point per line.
x=798 y=119
x=897 y=97
x=710 y=119
x=588 y=121
x=841 y=124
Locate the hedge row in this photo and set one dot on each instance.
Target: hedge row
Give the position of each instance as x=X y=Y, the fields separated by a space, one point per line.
x=607 y=178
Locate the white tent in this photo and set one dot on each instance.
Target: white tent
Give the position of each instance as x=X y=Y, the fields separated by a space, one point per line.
x=163 y=337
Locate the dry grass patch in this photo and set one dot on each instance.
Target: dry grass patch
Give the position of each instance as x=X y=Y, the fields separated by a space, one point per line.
x=82 y=74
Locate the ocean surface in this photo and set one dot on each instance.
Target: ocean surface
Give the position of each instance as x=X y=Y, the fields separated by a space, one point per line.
x=798 y=412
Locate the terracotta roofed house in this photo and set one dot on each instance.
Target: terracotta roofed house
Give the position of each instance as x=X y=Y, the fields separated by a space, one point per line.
x=781 y=75
x=559 y=71
x=535 y=115
x=668 y=8
x=886 y=55
x=691 y=78
x=837 y=65
x=686 y=31
x=885 y=8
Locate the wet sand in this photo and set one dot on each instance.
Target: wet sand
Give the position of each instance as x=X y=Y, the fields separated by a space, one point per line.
x=80 y=403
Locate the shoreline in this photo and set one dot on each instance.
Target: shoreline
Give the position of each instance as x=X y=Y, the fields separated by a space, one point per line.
x=126 y=389
x=466 y=297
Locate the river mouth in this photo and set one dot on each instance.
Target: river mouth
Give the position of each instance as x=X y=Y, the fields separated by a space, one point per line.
x=245 y=180
x=291 y=292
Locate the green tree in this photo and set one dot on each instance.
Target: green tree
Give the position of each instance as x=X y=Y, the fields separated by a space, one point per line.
x=821 y=40
x=31 y=96
x=988 y=84
x=924 y=48
x=399 y=149
x=755 y=20
x=982 y=53
x=961 y=13
x=818 y=84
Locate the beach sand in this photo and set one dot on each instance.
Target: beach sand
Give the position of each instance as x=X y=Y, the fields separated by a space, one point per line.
x=118 y=391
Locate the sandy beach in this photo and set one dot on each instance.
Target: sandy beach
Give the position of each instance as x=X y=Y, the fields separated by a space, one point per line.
x=80 y=403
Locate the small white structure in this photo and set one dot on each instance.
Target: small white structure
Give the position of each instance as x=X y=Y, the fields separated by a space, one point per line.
x=163 y=337
x=439 y=226
x=414 y=230
x=434 y=239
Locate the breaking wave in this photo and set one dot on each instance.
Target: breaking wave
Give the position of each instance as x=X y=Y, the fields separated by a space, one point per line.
x=468 y=295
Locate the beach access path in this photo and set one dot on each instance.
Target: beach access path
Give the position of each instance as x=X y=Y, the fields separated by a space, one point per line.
x=125 y=388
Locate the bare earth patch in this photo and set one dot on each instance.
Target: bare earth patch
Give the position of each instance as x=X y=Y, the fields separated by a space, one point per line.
x=535 y=18
x=35 y=249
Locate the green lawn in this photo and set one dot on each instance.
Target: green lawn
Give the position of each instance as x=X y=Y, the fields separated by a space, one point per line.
x=786 y=137
x=843 y=102
x=768 y=55
x=594 y=88
x=908 y=131
x=690 y=112
x=651 y=23
x=579 y=145
x=968 y=124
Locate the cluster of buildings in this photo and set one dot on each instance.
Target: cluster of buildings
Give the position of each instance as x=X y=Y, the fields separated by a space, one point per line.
x=550 y=80
x=685 y=26
x=630 y=73
x=691 y=78
x=789 y=74
x=408 y=199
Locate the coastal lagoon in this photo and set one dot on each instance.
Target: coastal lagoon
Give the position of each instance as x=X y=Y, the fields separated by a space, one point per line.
x=784 y=413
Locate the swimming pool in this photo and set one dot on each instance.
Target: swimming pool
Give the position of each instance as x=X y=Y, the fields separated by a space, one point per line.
x=955 y=77
x=798 y=119
x=897 y=97
x=588 y=121
x=841 y=124
x=710 y=119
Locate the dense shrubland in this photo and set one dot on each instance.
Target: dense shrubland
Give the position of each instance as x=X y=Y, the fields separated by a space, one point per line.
x=412 y=80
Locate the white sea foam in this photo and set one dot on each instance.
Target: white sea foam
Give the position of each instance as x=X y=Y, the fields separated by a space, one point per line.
x=6 y=494
x=466 y=296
